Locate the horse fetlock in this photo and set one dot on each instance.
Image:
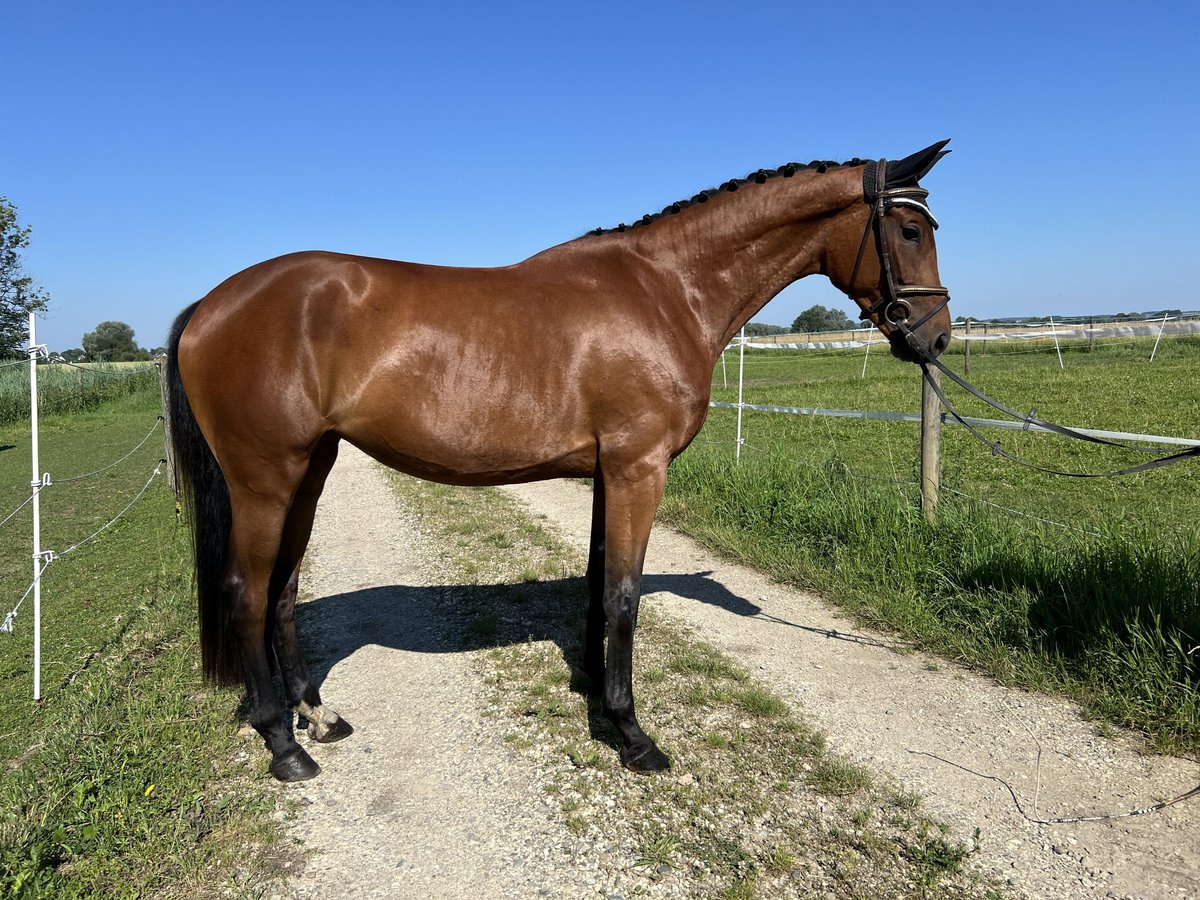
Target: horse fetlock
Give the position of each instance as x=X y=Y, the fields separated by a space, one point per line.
x=324 y=725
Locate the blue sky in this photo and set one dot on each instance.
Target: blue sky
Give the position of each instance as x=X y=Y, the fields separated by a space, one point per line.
x=156 y=148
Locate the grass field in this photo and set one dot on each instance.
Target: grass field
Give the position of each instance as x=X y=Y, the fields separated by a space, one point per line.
x=63 y=389
x=126 y=781
x=1112 y=388
x=1108 y=613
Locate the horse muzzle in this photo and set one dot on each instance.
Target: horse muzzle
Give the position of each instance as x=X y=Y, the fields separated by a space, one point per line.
x=913 y=341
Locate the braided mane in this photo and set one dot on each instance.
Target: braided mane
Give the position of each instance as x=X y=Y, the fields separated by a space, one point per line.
x=759 y=177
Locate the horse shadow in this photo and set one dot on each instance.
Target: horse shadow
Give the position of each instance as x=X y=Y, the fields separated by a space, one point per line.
x=463 y=618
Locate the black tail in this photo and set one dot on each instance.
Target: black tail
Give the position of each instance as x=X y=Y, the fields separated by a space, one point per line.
x=207 y=498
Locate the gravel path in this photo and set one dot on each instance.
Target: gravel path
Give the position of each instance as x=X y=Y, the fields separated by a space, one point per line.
x=422 y=801
x=426 y=801
x=885 y=708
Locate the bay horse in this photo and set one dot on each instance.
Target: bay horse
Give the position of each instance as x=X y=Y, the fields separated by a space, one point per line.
x=591 y=359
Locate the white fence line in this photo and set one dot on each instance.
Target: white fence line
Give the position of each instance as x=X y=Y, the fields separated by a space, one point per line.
x=43 y=559
x=947 y=419
x=982 y=332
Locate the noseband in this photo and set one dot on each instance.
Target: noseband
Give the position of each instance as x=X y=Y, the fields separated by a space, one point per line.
x=893 y=302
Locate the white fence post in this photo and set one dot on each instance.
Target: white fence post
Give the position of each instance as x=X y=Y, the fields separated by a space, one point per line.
x=35 y=485
x=1161 y=328
x=1057 y=349
x=737 y=453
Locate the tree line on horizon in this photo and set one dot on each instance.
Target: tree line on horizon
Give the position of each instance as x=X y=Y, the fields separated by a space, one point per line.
x=20 y=295
x=818 y=319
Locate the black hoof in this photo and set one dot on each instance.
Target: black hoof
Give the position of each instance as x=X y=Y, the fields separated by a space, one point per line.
x=645 y=759
x=295 y=765
x=335 y=732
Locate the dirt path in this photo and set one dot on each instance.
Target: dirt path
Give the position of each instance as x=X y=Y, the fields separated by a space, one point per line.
x=886 y=708
x=426 y=801
x=420 y=802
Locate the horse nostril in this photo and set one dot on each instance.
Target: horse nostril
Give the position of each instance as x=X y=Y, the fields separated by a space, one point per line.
x=940 y=343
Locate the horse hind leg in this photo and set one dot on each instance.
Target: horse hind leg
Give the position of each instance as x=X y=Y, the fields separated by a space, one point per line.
x=324 y=725
x=258 y=520
x=303 y=697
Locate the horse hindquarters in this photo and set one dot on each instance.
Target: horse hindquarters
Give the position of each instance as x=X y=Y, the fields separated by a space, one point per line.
x=238 y=533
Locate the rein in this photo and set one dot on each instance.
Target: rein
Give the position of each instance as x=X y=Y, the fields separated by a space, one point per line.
x=1030 y=419
x=894 y=307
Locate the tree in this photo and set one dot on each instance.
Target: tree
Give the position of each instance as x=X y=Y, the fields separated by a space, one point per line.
x=111 y=342
x=19 y=296
x=761 y=329
x=818 y=318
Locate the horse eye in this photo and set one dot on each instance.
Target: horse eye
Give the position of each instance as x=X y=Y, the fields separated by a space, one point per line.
x=910 y=232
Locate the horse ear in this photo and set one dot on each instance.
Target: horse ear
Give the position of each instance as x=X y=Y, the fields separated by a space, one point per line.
x=908 y=171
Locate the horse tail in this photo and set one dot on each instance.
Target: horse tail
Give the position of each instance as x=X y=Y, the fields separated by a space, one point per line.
x=206 y=496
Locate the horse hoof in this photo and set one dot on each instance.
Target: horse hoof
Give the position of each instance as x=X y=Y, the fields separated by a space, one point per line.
x=295 y=765
x=327 y=734
x=645 y=760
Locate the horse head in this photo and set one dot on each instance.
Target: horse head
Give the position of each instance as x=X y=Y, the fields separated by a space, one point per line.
x=897 y=285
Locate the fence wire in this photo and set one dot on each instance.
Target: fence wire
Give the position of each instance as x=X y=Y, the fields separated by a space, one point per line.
x=113 y=373
x=111 y=465
x=95 y=534
x=13 y=514
x=51 y=556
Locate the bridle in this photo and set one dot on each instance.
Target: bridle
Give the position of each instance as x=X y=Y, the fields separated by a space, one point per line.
x=893 y=302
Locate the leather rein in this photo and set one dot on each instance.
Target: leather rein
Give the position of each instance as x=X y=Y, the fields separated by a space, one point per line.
x=894 y=306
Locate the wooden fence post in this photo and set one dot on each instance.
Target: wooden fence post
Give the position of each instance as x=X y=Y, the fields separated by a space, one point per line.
x=168 y=444
x=931 y=445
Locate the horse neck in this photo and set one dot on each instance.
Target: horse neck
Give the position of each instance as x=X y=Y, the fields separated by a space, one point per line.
x=741 y=248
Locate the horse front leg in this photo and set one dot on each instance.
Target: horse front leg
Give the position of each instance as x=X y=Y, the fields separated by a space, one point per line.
x=629 y=514
x=593 y=637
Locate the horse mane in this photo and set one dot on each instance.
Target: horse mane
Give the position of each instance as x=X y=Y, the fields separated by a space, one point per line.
x=758 y=177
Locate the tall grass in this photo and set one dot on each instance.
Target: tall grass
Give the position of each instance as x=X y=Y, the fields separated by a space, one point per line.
x=1108 y=619
x=128 y=780
x=63 y=389
x=1108 y=612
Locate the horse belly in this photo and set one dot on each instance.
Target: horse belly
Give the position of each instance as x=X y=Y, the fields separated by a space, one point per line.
x=470 y=440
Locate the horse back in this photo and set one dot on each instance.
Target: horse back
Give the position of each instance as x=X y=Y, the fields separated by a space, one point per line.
x=465 y=375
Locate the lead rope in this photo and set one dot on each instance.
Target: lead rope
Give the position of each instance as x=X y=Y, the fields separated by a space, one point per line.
x=1063 y=820
x=893 y=295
